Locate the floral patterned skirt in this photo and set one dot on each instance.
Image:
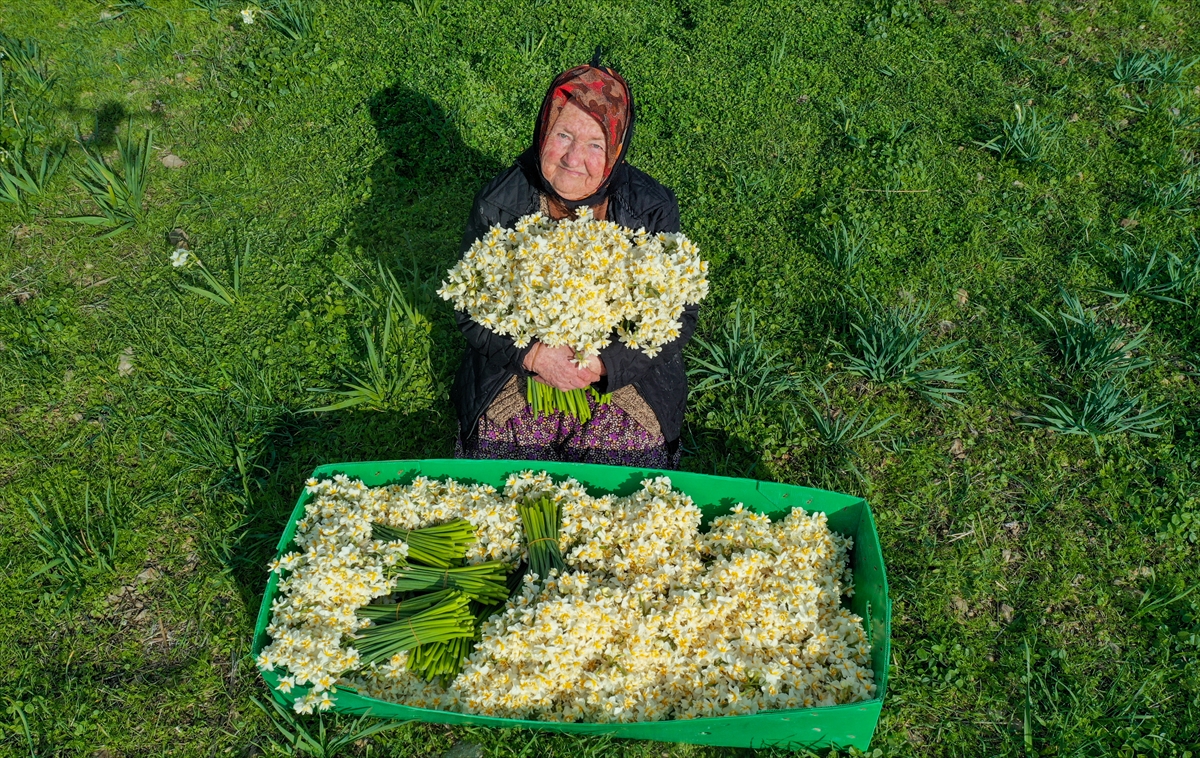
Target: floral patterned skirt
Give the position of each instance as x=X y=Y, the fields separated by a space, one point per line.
x=612 y=436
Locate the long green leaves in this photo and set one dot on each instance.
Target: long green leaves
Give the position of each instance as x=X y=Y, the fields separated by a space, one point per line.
x=26 y=174
x=1135 y=276
x=28 y=64
x=324 y=742
x=382 y=614
x=886 y=348
x=737 y=363
x=445 y=659
x=119 y=194
x=217 y=291
x=1088 y=346
x=842 y=247
x=291 y=18
x=398 y=360
x=1028 y=137
x=73 y=553
x=1105 y=410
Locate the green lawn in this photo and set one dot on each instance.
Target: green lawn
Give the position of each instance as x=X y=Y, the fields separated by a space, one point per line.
x=866 y=190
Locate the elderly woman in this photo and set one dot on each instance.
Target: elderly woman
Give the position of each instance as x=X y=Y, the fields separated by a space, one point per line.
x=577 y=159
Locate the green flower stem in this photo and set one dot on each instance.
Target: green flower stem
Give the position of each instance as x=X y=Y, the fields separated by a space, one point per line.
x=381 y=614
x=543 y=398
x=484 y=582
x=447 y=620
x=441 y=545
x=540 y=520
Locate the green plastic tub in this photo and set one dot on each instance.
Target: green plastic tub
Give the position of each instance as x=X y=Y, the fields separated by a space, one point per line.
x=837 y=726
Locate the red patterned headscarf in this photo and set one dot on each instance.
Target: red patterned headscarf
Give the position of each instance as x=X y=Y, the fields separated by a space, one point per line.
x=601 y=93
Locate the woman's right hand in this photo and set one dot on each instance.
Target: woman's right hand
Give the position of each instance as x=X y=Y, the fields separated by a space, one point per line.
x=554 y=366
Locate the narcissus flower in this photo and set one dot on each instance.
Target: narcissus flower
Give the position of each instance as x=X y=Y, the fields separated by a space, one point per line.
x=576 y=281
x=651 y=619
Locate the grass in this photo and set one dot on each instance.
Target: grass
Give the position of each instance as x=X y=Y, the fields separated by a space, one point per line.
x=828 y=161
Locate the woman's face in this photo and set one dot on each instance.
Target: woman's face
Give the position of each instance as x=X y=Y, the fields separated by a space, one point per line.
x=574 y=155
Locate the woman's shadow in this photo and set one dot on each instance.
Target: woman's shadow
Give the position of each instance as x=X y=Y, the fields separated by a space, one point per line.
x=421 y=188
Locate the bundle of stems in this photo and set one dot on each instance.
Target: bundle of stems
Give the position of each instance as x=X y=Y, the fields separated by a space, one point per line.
x=483 y=582
x=540 y=520
x=440 y=545
x=445 y=659
x=449 y=619
x=441 y=659
x=381 y=614
x=543 y=398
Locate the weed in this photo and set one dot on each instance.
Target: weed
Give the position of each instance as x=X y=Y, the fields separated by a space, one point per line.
x=1177 y=198
x=1106 y=410
x=887 y=349
x=399 y=370
x=1028 y=137
x=1087 y=346
x=28 y=64
x=1184 y=273
x=1134 y=276
x=1139 y=73
x=19 y=709
x=291 y=18
x=842 y=247
x=779 y=54
x=530 y=45
x=119 y=194
x=322 y=742
x=217 y=291
x=425 y=9
x=1012 y=54
x=739 y=366
x=73 y=554
x=26 y=174
x=847 y=124
x=1170 y=70
x=837 y=431
x=152 y=46
x=211 y=7
x=1135 y=68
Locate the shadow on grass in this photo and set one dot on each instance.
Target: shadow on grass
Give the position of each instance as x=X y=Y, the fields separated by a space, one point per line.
x=105 y=121
x=709 y=450
x=422 y=187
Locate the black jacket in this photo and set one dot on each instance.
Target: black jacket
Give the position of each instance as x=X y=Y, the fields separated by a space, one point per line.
x=490 y=359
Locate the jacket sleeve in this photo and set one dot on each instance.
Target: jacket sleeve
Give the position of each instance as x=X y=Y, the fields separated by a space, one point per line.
x=498 y=349
x=625 y=365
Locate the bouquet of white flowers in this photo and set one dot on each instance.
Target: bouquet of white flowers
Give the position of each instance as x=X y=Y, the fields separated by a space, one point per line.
x=577 y=282
x=639 y=616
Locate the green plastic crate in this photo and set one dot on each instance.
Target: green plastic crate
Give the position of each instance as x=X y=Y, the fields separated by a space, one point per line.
x=836 y=726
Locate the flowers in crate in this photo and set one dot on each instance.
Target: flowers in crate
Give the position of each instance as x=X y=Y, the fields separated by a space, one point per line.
x=576 y=281
x=633 y=615
x=335 y=568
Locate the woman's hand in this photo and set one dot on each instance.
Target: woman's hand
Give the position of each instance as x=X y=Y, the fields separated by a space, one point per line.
x=596 y=366
x=554 y=366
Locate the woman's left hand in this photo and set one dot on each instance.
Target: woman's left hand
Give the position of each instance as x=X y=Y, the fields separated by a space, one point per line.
x=596 y=366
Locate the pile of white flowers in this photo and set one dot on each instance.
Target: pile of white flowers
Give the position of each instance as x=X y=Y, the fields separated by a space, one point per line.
x=572 y=282
x=652 y=619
